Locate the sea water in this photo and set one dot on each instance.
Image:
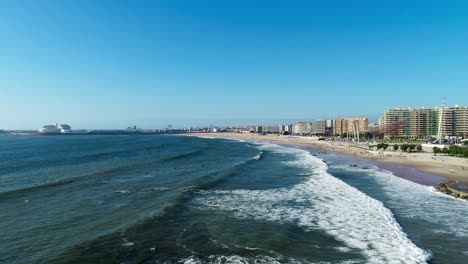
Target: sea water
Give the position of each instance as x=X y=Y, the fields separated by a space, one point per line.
x=174 y=199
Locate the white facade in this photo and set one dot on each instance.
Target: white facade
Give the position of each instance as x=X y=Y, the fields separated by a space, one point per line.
x=301 y=128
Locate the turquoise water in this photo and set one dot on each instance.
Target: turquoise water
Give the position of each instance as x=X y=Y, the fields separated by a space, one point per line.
x=170 y=199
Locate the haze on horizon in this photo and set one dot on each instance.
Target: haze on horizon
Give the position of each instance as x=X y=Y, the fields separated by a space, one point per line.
x=111 y=64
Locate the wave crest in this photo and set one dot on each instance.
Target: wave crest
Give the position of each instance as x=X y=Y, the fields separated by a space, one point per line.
x=326 y=203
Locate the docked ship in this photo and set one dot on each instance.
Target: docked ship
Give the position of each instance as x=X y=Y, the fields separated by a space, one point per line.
x=55 y=129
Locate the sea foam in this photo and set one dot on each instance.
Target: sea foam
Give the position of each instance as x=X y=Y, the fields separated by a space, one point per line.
x=422 y=202
x=326 y=203
x=234 y=259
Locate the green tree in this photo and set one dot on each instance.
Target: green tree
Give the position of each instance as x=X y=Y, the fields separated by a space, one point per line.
x=404 y=147
x=385 y=146
x=411 y=148
x=455 y=150
x=395 y=147
x=436 y=150
x=445 y=150
x=419 y=148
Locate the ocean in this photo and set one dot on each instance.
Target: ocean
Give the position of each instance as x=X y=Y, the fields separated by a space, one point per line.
x=175 y=199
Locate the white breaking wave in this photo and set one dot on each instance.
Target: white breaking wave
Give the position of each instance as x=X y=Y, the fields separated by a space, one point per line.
x=422 y=202
x=432 y=189
x=258 y=156
x=326 y=203
x=127 y=243
x=225 y=138
x=234 y=259
x=207 y=137
x=231 y=139
x=417 y=201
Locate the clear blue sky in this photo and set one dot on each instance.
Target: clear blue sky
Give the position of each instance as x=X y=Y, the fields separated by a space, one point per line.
x=110 y=64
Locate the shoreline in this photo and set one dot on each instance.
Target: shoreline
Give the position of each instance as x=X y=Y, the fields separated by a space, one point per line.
x=422 y=168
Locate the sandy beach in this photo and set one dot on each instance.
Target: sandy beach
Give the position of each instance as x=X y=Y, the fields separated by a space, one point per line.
x=450 y=168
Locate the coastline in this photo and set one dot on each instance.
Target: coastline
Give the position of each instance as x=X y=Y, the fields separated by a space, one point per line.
x=422 y=168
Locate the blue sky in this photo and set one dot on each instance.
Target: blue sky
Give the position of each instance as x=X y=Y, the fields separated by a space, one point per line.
x=111 y=64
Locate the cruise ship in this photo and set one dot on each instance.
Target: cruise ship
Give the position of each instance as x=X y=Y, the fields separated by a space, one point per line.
x=55 y=129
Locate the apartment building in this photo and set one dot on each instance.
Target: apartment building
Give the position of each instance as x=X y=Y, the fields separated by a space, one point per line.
x=351 y=126
x=319 y=127
x=302 y=128
x=423 y=123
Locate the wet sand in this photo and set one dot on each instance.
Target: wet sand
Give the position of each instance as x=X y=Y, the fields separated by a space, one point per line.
x=412 y=174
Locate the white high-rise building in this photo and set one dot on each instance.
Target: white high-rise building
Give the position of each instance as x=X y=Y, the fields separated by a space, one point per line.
x=301 y=128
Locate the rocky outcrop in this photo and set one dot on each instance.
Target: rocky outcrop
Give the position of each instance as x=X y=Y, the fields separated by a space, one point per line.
x=452 y=188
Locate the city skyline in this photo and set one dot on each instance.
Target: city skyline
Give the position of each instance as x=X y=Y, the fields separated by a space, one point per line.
x=393 y=122
x=111 y=65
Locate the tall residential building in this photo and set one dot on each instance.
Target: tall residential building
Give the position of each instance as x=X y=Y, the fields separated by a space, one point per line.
x=301 y=128
x=282 y=128
x=351 y=126
x=460 y=115
x=319 y=127
x=271 y=129
x=329 y=127
x=381 y=125
x=424 y=122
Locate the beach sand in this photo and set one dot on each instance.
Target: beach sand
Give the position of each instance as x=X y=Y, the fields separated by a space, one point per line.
x=423 y=168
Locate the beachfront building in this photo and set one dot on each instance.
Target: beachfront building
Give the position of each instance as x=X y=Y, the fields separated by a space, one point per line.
x=353 y=126
x=282 y=128
x=329 y=127
x=453 y=122
x=460 y=115
x=410 y=123
x=271 y=129
x=319 y=127
x=301 y=128
x=425 y=123
x=285 y=129
x=381 y=125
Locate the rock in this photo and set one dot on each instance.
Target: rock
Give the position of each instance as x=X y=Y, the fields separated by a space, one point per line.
x=446 y=189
